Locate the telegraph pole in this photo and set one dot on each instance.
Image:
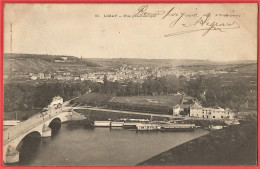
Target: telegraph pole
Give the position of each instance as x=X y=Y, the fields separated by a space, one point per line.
x=11 y=49
x=11 y=38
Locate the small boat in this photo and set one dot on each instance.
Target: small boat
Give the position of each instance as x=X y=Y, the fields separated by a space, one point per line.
x=213 y=128
x=198 y=127
x=232 y=122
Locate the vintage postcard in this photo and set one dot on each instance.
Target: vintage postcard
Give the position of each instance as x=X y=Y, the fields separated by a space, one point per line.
x=130 y=84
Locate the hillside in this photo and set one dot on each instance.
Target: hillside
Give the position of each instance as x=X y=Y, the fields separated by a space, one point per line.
x=159 y=62
x=33 y=63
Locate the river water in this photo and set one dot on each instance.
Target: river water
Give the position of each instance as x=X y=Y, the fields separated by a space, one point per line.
x=78 y=146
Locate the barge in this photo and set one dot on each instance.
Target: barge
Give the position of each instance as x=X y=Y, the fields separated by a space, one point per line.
x=147 y=127
x=178 y=127
x=117 y=124
x=130 y=125
x=102 y=123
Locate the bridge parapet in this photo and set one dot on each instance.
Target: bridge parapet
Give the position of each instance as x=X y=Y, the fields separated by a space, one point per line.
x=24 y=127
x=36 y=123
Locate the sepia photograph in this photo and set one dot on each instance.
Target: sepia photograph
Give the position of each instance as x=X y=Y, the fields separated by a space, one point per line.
x=130 y=84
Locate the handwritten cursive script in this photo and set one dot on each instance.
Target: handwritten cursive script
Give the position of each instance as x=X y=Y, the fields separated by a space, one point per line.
x=189 y=22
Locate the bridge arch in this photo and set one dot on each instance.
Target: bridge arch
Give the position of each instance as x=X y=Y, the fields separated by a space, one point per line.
x=31 y=135
x=28 y=146
x=55 y=125
x=36 y=125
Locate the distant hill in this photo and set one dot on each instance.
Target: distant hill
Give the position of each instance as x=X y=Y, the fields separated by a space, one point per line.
x=34 y=63
x=159 y=62
x=37 y=56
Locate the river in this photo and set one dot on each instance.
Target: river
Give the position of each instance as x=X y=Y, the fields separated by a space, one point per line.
x=78 y=146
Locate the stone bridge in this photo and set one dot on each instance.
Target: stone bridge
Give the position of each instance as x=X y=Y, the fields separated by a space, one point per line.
x=38 y=124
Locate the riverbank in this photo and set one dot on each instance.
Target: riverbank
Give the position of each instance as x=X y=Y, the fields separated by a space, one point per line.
x=101 y=115
x=234 y=145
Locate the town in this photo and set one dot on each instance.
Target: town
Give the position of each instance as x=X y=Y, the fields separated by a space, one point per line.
x=130 y=94
x=122 y=74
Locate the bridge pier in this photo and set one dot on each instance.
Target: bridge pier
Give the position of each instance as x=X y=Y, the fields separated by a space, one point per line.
x=14 y=135
x=46 y=131
x=12 y=155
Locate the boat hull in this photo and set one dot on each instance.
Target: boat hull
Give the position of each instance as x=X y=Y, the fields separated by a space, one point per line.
x=102 y=123
x=177 y=129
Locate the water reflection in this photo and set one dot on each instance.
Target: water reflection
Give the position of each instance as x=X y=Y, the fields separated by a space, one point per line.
x=55 y=126
x=74 y=145
x=28 y=147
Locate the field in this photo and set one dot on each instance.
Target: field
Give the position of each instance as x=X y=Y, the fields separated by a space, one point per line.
x=145 y=104
x=94 y=99
x=168 y=101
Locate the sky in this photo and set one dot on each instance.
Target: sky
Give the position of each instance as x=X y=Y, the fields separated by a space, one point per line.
x=75 y=29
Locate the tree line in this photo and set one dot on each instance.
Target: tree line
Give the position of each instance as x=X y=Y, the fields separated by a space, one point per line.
x=210 y=91
x=26 y=96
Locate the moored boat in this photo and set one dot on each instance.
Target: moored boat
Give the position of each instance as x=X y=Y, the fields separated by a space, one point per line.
x=148 y=127
x=178 y=127
x=130 y=125
x=117 y=124
x=212 y=127
x=102 y=123
x=232 y=122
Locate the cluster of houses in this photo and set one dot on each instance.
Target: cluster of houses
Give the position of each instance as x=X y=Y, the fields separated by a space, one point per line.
x=122 y=74
x=197 y=111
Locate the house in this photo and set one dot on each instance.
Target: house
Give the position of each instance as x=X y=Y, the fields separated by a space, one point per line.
x=58 y=77
x=196 y=110
x=176 y=110
x=64 y=58
x=41 y=75
x=48 y=76
x=34 y=77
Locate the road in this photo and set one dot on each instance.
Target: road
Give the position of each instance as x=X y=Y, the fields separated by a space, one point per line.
x=15 y=131
x=121 y=111
x=137 y=113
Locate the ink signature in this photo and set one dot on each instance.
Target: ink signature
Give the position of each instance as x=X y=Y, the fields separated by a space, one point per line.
x=190 y=22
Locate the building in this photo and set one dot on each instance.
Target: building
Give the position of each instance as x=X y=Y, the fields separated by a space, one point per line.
x=34 y=77
x=41 y=75
x=64 y=58
x=196 y=110
x=176 y=110
x=56 y=101
x=48 y=76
